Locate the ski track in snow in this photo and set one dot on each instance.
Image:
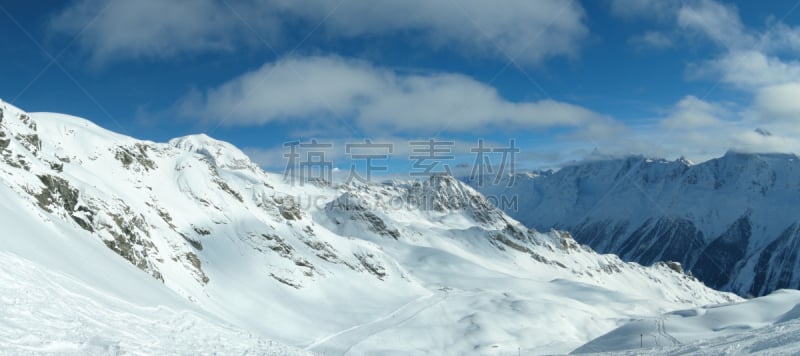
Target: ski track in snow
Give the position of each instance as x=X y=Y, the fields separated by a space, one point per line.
x=343 y=341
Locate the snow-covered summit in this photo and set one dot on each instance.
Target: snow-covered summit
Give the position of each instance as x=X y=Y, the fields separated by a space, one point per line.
x=222 y=154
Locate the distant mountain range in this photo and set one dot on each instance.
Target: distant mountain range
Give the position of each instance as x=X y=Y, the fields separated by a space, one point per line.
x=733 y=221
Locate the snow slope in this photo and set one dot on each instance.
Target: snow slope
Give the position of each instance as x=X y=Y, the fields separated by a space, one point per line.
x=424 y=267
x=767 y=325
x=731 y=221
x=68 y=295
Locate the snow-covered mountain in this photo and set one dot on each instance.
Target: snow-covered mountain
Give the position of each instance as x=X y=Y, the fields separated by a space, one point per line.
x=731 y=221
x=194 y=236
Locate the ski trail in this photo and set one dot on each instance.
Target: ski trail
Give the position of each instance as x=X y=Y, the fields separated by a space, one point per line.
x=395 y=321
x=662 y=330
x=344 y=340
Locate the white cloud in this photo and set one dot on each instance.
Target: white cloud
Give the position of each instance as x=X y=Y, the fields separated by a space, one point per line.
x=719 y=23
x=152 y=28
x=753 y=141
x=648 y=9
x=709 y=20
x=751 y=58
x=780 y=103
x=374 y=99
x=701 y=130
x=748 y=70
x=751 y=61
x=781 y=38
x=693 y=113
x=760 y=62
x=651 y=40
x=526 y=30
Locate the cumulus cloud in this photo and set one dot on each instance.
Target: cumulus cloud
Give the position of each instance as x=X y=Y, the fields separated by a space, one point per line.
x=753 y=141
x=374 y=99
x=700 y=129
x=780 y=103
x=692 y=113
x=751 y=59
x=749 y=70
x=153 y=28
x=715 y=21
x=754 y=61
x=525 y=30
x=781 y=38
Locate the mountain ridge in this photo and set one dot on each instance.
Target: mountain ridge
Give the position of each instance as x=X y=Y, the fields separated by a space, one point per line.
x=647 y=210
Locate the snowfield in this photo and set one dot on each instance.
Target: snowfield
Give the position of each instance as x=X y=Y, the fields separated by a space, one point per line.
x=116 y=244
x=49 y=312
x=69 y=296
x=768 y=325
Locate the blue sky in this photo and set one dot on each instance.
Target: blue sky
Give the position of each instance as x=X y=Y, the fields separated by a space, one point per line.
x=662 y=78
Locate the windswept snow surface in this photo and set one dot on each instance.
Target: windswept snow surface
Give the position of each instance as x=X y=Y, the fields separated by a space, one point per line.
x=189 y=239
x=768 y=326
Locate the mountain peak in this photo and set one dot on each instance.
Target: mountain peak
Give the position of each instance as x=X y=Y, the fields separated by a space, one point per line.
x=220 y=153
x=685 y=161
